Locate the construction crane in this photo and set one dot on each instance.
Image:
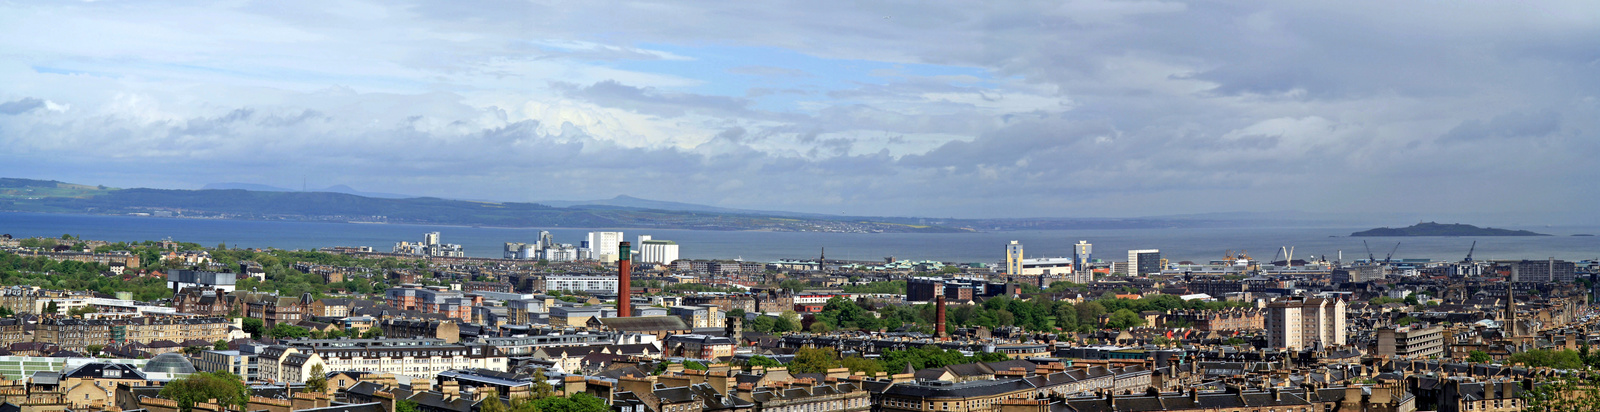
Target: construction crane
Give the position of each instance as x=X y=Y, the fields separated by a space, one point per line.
x=1469 y=251
x=1386 y=259
x=1370 y=257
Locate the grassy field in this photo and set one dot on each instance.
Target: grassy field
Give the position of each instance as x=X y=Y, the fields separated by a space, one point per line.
x=34 y=189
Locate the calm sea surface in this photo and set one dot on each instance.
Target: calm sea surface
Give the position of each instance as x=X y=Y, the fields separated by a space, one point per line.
x=1175 y=244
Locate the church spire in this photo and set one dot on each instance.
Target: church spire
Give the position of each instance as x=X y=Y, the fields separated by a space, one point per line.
x=1511 y=311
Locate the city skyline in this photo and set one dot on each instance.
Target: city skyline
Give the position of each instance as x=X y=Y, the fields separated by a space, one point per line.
x=1106 y=109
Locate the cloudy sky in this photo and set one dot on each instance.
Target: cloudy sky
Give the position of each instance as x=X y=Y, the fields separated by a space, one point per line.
x=924 y=108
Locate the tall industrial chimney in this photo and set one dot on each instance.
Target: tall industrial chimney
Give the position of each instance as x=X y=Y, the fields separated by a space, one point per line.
x=939 y=309
x=624 y=287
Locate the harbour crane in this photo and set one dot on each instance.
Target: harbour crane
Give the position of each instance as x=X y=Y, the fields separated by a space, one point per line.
x=1370 y=257
x=1386 y=259
x=1469 y=251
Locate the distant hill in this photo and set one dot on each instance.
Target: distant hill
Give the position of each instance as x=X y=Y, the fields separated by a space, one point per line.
x=57 y=197
x=330 y=189
x=247 y=201
x=1443 y=229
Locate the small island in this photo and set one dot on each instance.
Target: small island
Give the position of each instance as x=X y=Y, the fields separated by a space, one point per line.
x=1444 y=229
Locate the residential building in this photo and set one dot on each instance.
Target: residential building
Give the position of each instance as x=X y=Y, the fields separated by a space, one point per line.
x=203 y=301
x=415 y=359
x=1543 y=271
x=237 y=362
x=178 y=279
x=446 y=330
x=76 y=334
x=288 y=364
x=432 y=299
x=699 y=346
x=703 y=316
x=1417 y=341
x=593 y=284
x=273 y=310
x=1305 y=323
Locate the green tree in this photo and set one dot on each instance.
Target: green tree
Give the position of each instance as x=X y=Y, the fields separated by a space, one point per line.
x=1089 y=314
x=254 y=327
x=736 y=313
x=226 y=388
x=1568 y=392
x=405 y=405
x=1562 y=359
x=793 y=285
x=842 y=313
x=52 y=308
x=94 y=350
x=929 y=356
x=287 y=331
x=761 y=361
x=6 y=312
x=1406 y=321
x=219 y=345
x=318 y=381
x=814 y=360
x=763 y=324
x=1124 y=319
x=863 y=365
x=789 y=321
x=541 y=387
x=372 y=333
x=577 y=402
x=1478 y=356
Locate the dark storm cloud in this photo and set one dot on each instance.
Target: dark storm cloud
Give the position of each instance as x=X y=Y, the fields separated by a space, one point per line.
x=21 y=106
x=652 y=101
x=1509 y=125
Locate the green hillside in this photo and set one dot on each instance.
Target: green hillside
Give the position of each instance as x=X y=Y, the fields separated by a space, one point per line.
x=57 y=197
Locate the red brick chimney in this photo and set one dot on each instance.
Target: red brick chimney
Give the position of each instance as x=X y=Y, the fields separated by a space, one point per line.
x=939 y=306
x=624 y=286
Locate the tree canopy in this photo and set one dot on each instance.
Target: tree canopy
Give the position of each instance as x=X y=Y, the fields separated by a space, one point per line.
x=226 y=388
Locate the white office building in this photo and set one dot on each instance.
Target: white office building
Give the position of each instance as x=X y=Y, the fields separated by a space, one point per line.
x=603 y=246
x=1144 y=262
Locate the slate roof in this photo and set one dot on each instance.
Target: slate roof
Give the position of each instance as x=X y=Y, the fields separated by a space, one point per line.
x=645 y=324
x=100 y=370
x=364 y=407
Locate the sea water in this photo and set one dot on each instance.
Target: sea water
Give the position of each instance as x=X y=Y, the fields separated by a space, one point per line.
x=1176 y=244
